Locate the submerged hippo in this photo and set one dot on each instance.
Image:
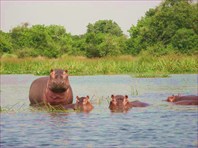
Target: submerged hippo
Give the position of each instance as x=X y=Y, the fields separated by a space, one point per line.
x=82 y=104
x=120 y=103
x=187 y=102
x=177 y=98
x=183 y=100
x=54 y=89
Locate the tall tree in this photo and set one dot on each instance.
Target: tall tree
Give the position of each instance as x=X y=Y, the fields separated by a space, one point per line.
x=159 y=25
x=105 y=26
x=104 y=38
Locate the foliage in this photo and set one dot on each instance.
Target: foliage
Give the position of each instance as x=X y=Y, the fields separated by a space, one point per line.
x=101 y=45
x=26 y=52
x=105 y=27
x=162 y=26
x=185 y=40
x=78 y=45
x=5 y=43
x=104 y=38
x=50 y=41
x=171 y=27
x=143 y=65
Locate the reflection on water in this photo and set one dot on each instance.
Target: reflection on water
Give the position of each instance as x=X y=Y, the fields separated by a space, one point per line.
x=159 y=125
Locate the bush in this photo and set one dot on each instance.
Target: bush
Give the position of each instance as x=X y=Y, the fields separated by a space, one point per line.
x=159 y=49
x=7 y=55
x=185 y=41
x=26 y=52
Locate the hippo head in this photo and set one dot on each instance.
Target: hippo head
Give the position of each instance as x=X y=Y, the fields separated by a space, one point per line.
x=58 y=81
x=172 y=98
x=119 y=103
x=83 y=104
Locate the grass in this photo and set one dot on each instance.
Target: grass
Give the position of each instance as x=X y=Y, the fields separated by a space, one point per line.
x=23 y=107
x=140 y=66
x=151 y=74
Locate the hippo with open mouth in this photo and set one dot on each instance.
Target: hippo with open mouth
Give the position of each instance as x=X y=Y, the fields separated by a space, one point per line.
x=54 y=89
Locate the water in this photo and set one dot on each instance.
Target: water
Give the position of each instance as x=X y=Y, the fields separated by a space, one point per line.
x=159 y=125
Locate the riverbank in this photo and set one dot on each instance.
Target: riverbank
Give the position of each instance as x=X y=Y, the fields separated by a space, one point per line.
x=140 y=66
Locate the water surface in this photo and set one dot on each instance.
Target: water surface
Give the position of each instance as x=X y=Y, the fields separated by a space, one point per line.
x=159 y=125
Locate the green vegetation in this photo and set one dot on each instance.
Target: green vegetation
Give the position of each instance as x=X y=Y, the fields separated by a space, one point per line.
x=138 y=65
x=171 y=27
x=22 y=107
x=164 y=41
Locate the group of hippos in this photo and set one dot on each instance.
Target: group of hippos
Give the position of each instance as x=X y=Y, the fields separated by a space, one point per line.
x=55 y=90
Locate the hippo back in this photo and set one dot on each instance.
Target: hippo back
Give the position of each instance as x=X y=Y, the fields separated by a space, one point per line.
x=37 y=90
x=187 y=102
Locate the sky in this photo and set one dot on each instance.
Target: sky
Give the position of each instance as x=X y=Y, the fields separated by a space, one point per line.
x=73 y=15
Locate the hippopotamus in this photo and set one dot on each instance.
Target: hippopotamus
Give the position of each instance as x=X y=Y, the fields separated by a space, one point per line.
x=186 y=102
x=177 y=98
x=183 y=100
x=82 y=104
x=120 y=103
x=54 y=89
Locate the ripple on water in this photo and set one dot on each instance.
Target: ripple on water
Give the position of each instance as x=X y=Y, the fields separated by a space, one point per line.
x=159 y=125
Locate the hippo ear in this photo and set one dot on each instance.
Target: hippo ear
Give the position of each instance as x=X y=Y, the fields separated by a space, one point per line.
x=87 y=97
x=66 y=71
x=52 y=73
x=125 y=101
x=77 y=99
x=113 y=100
x=86 y=100
x=126 y=98
x=65 y=74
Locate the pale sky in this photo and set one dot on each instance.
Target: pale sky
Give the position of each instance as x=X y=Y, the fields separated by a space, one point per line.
x=73 y=15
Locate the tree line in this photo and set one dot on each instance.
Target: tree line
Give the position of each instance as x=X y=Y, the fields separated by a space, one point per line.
x=170 y=27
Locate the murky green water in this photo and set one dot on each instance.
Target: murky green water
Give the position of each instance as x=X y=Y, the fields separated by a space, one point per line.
x=159 y=125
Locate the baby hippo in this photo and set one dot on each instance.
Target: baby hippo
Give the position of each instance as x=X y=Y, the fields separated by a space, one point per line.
x=82 y=104
x=120 y=103
x=183 y=100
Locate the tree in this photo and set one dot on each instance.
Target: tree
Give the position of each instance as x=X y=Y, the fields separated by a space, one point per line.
x=104 y=38
x=185 y=41
x=106 y=27
x=21 y=37
x=101 y=45
x=78 y=45
x=5 y=43
x=51 y=41
x=159 y=25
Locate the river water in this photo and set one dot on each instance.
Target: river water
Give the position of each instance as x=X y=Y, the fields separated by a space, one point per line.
x=161 y=124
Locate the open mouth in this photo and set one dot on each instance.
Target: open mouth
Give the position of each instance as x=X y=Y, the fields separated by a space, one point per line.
x=58 y=90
